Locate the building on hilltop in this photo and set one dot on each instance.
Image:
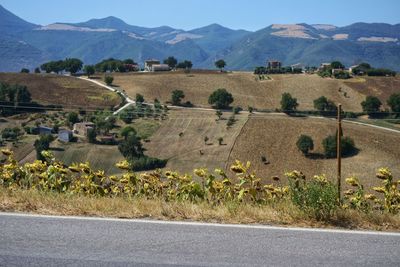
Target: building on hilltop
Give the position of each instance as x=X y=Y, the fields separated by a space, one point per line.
x=148 y=64
x=274 y=65
x=82 y=128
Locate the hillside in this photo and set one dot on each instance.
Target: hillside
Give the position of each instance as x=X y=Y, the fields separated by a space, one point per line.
x=275 y=138
x=246 y=89
x=96 y=39
x=49 y=89
x=189 y=151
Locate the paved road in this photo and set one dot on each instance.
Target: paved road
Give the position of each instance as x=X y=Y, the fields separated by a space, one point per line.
x=44 y=241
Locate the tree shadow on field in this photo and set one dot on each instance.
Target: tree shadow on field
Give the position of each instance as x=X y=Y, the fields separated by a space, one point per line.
x=315 y=156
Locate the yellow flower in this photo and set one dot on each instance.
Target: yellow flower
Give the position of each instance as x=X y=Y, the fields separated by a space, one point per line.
x=7 y=152
x=379 y=189
x=353 y=181
x=200 y=172
x=349 y=192
x=383 y=173
x=123 y=165
x=370 y=197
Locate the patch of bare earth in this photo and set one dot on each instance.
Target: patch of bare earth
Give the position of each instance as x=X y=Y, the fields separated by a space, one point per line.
x=275 y=138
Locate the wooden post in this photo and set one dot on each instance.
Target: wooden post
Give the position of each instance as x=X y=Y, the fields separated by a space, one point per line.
x=339 y=151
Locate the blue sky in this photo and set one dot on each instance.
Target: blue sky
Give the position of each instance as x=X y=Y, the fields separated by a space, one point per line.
x=189 y=14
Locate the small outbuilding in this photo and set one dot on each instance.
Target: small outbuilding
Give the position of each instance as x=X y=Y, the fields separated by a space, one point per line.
x=65 y=135
x=82 y=128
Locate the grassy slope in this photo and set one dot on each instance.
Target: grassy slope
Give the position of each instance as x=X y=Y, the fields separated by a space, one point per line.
x=247 y=91
x=184 y=152
x=62 y=90
x=381 y=87
x=275 y=138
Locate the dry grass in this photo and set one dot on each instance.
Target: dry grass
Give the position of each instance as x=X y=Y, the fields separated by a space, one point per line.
x=283 y=213
x=275 y=138
x=180 y=139
x=62 y=90
x=246 y=89
x=381 y=87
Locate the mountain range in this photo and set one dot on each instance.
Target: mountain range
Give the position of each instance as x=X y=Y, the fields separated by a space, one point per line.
x=27 y=45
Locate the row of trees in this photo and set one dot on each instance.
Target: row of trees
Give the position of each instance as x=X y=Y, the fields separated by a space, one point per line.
x=283 y=70
x=372 y=105
x=72 y=65
x=305 y=144
x=367 y=69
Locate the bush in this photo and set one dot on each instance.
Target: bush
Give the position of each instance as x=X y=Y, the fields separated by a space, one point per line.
x=236 y=110
x=371 y=105
x=330 y=150
x=342 y=75
x=176 y=97
x=381 y=72
x=316 y=198
x=108 y=80
x=394 y=102
x=146 y=163
x=305 y=144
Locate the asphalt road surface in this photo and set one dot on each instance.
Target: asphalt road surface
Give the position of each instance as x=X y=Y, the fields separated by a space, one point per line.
x=61 y=241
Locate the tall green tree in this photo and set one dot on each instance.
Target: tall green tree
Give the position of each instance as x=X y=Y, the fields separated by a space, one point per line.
x=176 y=97
x=89 y=70
x=73 y=65
x=394 y=102
x=171 y=62
x=220 y=64
x=288 y=103
x=371 y=105
x=220 y=98
x=305 y=144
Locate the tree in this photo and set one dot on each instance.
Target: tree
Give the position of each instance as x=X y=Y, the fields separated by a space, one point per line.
x=305 y=144
x=220 y=64
x=323 y=104
x=37 y=70
x=371 y=105
x=127 y=115
x=330 y=143
x=129 y=61
x=337 y=65
x=24 y=70
x=73 y=65
x=73 y=118
x=205 y=140
x=176 y=97
x=288 y=103
x=91 y=136
x=139 y=98
x=131 y=147
x=109 y=80
x=394 y=102
x=220 y=98
x=89 y=70
x=187 y=64
x=42 y=144
x=171 y=62
x=127 y=131
x=23 y=95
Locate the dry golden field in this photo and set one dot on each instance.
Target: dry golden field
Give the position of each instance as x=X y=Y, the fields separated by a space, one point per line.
x=275 y=137
x=183 y=152
x=381 y=87
x=69 y=92
x=247 y=90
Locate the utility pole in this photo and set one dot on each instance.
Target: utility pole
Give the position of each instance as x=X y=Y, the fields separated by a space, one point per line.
x=339 y=150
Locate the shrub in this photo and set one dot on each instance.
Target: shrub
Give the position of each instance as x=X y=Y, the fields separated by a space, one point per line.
x=236 y=110
x=330 y=146
x=91 y=136
x=316 y=198
x=342 y=75
x=305 y=144
x=108 y=80
x=146 y=163
x=231 y=121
